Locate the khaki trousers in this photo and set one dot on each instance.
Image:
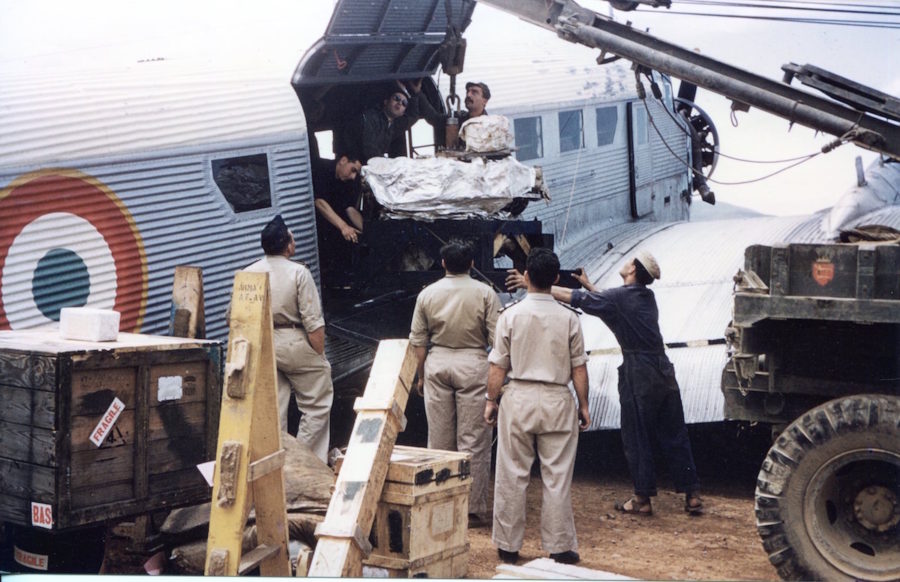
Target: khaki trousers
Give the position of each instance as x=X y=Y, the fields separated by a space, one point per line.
x=543 y=416
x=455 y=384
x=308 y=375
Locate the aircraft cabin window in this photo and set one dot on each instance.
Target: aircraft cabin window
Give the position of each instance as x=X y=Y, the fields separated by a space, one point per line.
x=641 y=127
x=244 y=181
x=571 y=134
x=607 y=120
x=529 y=138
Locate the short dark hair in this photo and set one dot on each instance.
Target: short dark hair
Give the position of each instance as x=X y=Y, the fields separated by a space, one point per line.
x=351 y=156
x=457 y=255
x=275 y=236
x=641 y=273
x=543 y=267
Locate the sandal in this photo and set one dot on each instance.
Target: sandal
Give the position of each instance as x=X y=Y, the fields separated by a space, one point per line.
x=636 y=507
x=693 y=504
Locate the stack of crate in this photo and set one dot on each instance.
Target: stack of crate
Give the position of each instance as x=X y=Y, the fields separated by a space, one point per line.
x=421 y=523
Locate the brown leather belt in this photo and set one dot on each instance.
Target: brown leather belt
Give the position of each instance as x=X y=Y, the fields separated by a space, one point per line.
x=288 y=326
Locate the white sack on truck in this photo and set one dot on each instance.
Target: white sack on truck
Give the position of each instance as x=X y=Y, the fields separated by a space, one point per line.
x=486 y=133
x=428 y=188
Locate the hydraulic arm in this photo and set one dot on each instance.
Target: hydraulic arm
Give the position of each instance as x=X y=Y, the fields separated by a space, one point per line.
x=576 y=24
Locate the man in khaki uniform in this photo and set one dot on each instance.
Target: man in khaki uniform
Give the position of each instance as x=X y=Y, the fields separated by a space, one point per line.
x=299 y=338
x=540 y=347
x=457 y=316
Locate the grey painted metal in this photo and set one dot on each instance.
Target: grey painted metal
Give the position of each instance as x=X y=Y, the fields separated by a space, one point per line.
x=577 y=24
x=151 y=145
x=378 y=40
x=698 y=371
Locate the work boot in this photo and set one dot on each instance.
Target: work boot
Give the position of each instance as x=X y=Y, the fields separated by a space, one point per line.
x=508 y=557
x=567 y=557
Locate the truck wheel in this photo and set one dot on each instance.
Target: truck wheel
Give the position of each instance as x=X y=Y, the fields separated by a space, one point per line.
x=828 y=493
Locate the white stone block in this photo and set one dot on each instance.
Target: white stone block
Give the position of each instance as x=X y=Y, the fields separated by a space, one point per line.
x=85 y=323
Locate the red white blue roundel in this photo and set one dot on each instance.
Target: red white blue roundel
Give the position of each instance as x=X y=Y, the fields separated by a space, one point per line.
x=66 y=240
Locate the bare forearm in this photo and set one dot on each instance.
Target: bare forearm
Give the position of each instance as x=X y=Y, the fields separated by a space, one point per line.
x=421 y=354
x=355 y=217
x=317 y=340
x=580 y=381
x=496 y=375
x=330 y=215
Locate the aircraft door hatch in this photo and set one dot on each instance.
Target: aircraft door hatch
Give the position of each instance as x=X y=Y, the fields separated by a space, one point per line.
x=382 y=40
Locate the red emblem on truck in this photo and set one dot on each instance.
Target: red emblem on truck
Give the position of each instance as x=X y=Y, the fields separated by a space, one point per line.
x=823 y=272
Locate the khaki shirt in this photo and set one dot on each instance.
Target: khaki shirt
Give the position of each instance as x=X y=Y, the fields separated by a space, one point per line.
x=539 y=340
x=456 y=312
x=295 y=299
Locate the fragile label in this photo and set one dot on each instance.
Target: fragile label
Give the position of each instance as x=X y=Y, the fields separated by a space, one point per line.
x=169 y=388
x=104 y=427
x=41 y=515
x=29 y=560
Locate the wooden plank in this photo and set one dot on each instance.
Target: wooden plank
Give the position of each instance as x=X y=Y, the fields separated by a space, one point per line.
x=121 y=435
x=47 y=341
x=365 y=465
x=26 y=370
x=97 y=467
x=188 y=318
x=418 y=466
x=27 y=443
x=85 y=497
x=177 y=482
x=401 y=564
x=401 y=494
x=20 y=405
x=93 y=390
x=249 y=420
x=168 y=455
x=27 y=481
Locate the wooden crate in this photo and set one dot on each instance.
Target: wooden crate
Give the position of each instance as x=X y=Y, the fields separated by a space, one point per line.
x=57 y=393
x=421 y=523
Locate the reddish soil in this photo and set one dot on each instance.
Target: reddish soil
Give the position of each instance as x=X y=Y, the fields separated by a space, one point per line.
x=721 y=544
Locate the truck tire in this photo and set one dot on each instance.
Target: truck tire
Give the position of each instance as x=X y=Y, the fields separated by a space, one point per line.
x=828 y=493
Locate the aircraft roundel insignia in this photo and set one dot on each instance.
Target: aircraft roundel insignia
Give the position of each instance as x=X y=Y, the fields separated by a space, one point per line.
x=66 y=240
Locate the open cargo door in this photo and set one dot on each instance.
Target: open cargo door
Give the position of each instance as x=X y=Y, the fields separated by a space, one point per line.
x=379 y=40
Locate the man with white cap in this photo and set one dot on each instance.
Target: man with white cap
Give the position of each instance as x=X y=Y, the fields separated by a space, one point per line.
x=648 y=392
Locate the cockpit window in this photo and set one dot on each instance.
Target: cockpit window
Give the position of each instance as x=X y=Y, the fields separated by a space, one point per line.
x=244 y=181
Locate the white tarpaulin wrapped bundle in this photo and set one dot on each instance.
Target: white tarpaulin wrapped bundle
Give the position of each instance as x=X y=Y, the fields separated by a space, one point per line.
x=446 y=188
x=486 y=133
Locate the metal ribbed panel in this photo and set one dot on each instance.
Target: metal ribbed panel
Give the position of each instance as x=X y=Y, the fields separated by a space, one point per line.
x=151 y=106
x=125 y=135
x=889 y=216
x=697 y=369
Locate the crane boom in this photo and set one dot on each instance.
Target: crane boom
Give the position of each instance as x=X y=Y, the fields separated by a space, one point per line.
x=577 y=24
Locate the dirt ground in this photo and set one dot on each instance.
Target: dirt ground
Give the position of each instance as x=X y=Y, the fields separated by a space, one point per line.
x=721 y=544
